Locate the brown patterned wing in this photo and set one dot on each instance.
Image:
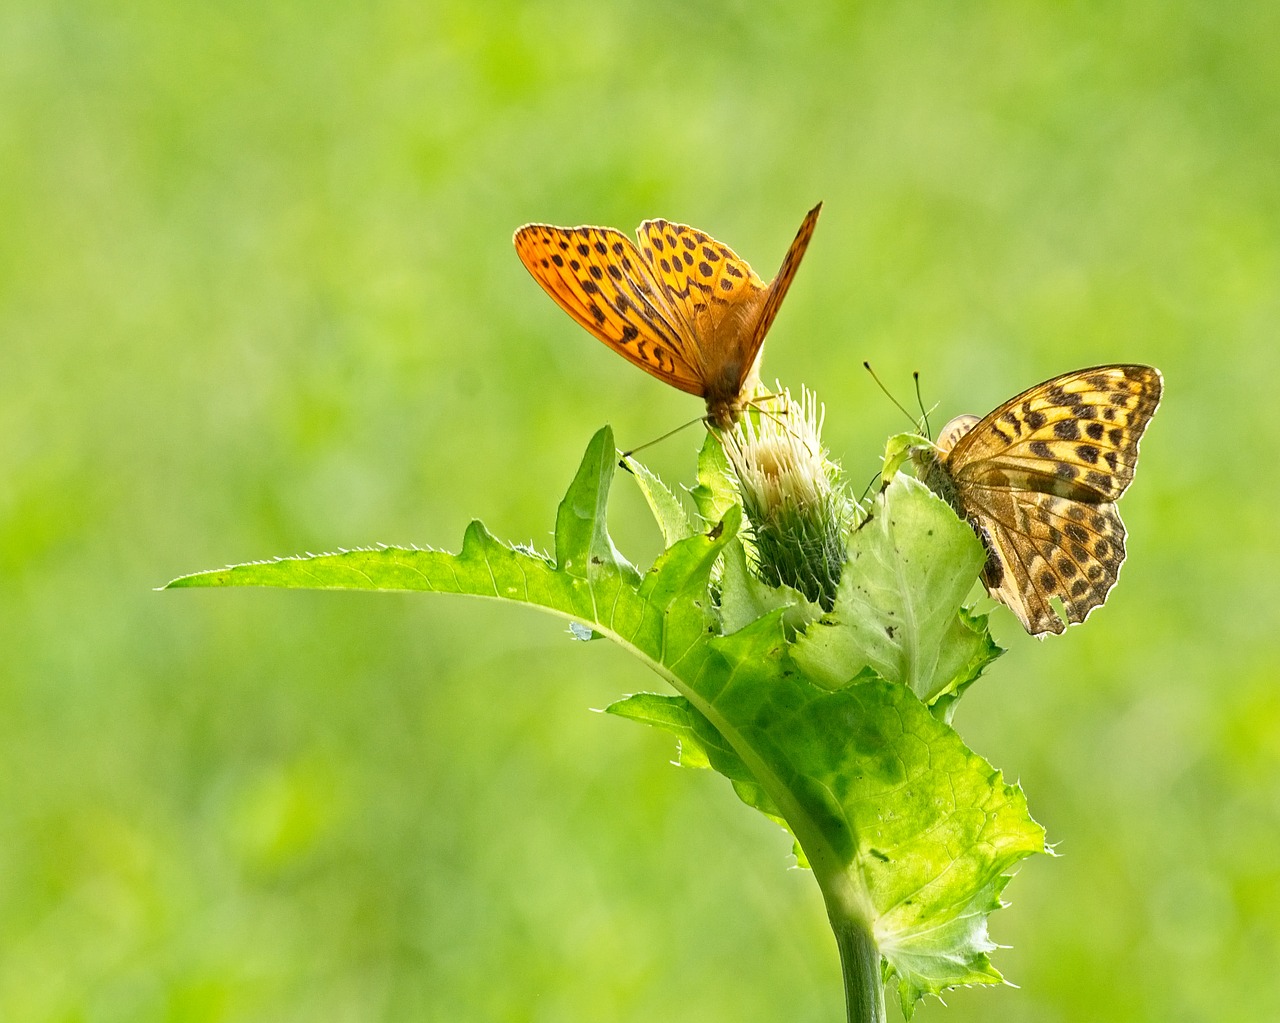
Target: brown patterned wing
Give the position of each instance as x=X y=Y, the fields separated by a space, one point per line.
x=1039 y=478
x=1075 y=435
x=597 y=276
x=1040 y=547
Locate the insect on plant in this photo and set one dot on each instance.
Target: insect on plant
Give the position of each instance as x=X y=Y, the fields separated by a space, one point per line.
x=816 y=647
x=1038 y=479
x=683 y=306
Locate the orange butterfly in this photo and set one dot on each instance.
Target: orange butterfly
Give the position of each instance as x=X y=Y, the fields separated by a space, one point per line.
x=683 y=306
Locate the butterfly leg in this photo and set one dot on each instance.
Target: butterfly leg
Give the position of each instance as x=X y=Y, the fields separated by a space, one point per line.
x=656 y=440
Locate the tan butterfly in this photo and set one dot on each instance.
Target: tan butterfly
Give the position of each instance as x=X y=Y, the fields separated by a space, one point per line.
x=682 y=306
x=1038 y=479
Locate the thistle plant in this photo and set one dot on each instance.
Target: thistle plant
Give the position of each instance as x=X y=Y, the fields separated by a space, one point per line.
x=814 y=651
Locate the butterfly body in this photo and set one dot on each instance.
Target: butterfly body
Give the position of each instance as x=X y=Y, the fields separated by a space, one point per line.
x=681 y=306
x=730 y=384
x=1038 y=479
x=930 y=462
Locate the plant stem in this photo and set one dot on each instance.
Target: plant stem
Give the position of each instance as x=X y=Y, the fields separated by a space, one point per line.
x=860 y=965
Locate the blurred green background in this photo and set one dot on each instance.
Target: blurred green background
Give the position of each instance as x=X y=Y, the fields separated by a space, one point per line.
x=258 y=297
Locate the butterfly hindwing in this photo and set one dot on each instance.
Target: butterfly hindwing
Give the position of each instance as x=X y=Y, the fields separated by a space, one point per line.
x=597 y=276
x=701 y=277
x=1041 y=547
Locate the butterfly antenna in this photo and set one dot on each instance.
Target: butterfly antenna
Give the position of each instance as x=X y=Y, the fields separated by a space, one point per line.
x=920 y=401
x=656 y=440
x=901 y=407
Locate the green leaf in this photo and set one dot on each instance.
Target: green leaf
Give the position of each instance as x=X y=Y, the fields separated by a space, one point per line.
x=898 y=608
x=715 y=491
x=582 y=538
x=745 y=598
x=897 y=452
x=700 y=744
x=914 y=831
x=676 y=715
x=982 y=651
x=588 y=581
x=666 y=507
x=908 y=832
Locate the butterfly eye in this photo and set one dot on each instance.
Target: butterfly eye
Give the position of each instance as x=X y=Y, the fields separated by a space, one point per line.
x=954 y=430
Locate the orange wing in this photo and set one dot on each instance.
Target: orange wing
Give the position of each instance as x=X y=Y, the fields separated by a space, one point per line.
x=683 y=307
x=598 y=277
x=782 y=279
x=727 y=307
x=702 y=278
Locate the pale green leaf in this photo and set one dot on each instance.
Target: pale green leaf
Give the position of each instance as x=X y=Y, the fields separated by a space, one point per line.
x=917 y=832
x=898 y=608
x=667 y=510
x=716 y=490
x=897 y=452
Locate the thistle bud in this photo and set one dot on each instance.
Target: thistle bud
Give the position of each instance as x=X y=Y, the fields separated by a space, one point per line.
x=792 y=496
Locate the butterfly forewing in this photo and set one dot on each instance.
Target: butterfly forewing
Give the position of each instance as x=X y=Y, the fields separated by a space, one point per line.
x=702 y=277
x=1075 y=435
x=786 y=273
x=1038 y=479
x=597 y=276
